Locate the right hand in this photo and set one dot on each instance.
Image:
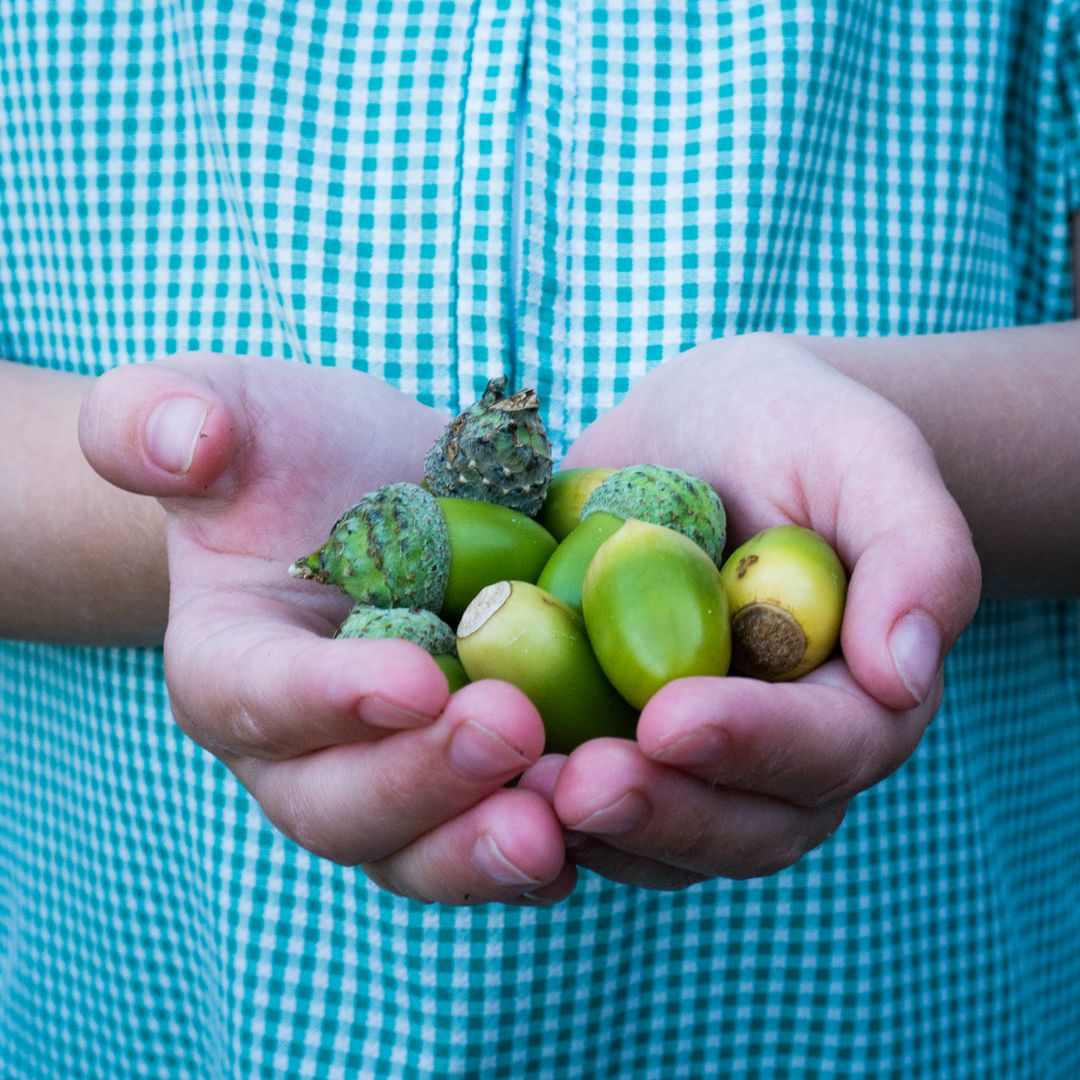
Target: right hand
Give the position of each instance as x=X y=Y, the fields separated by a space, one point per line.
x=352 y=748
x=737 y=777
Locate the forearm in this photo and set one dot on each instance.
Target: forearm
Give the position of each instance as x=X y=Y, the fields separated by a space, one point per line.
x=81 y=561
x=1001 y=410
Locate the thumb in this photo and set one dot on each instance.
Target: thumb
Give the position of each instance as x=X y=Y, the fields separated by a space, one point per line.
x=914 y=588
x=156 y=430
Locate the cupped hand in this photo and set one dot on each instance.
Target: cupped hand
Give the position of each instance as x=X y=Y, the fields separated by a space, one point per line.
x=735 y=777
x=353 y=748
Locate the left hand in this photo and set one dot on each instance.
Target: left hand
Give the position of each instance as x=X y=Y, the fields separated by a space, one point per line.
x=739 y=778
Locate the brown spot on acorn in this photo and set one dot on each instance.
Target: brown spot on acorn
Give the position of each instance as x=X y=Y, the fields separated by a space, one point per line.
x=745 y=564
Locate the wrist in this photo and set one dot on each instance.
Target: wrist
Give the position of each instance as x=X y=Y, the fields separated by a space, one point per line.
x=82 y=562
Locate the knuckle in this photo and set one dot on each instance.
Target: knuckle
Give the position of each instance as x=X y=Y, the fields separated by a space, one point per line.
x=816 y=830
x=867 y=758
x=299 y=818
x=244 y=731
x=781 y=855
x=677 y=880
x=849 y=776
x=383 y=877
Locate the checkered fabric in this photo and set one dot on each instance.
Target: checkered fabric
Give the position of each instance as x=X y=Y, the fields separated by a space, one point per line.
x=332 y=182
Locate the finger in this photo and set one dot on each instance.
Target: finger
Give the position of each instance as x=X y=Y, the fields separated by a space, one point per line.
x=554 y=891
x=506 y=848
x=363 y=802
x=156 y=430
x=542 y=777
x=915 y=577
x=813 y=742
x=626 y=869
x=595 y=855
x=258 y=684
x=610 y=790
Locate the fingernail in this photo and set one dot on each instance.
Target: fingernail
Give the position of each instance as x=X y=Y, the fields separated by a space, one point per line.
x=478 y=753
x=626 y=813
x=551 y=893
x=701 y=746
x=915 y=645
x=489 y=860
x=379 y=712
x=172 y=432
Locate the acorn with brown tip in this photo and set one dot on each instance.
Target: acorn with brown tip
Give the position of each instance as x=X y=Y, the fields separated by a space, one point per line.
x=786 y=588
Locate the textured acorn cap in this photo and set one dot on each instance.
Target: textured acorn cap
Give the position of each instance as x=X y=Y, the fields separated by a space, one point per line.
x=391 y=549
x=422 y=627
x=496 y=451
x=668 y=497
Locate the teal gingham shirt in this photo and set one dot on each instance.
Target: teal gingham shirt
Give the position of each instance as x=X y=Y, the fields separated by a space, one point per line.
x=333 y=183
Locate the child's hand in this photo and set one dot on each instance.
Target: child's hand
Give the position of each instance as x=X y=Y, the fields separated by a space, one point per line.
x=351 y=747
x=740 y=778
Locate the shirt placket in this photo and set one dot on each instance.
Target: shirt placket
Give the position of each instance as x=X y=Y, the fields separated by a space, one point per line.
x=484 y=311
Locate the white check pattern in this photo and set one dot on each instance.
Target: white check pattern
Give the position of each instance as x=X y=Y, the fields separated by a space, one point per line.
x=331 y=183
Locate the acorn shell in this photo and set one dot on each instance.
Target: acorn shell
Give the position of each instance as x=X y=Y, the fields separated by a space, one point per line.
x=655 y=610
x=488 y=543
x=564 y=573
x=567 y=494
x=496 y=451
x=787 y=589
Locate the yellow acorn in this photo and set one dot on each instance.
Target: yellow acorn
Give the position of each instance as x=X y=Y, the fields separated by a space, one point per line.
x=567 y=493
x=786 y=588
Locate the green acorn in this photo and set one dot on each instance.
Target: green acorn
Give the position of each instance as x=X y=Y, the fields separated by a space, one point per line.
x=668 y=497
x=392 y=549
x=566 y=495
x=655 y=610
x=488 y=542
x=496 y=451
x=787 y=588
x=401 y=546
x=423 y=628
x=516 y=632
x=564 y=573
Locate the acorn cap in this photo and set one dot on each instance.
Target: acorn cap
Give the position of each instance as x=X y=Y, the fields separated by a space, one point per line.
x=668 y=497
x=390 y=550
x=496 y=451
x=422 y=627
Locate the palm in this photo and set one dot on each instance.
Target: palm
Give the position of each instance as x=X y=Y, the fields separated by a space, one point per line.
x=352 y=747
x=733 y=776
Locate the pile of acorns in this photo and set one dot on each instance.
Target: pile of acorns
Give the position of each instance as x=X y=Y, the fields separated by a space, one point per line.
x=588 y=589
